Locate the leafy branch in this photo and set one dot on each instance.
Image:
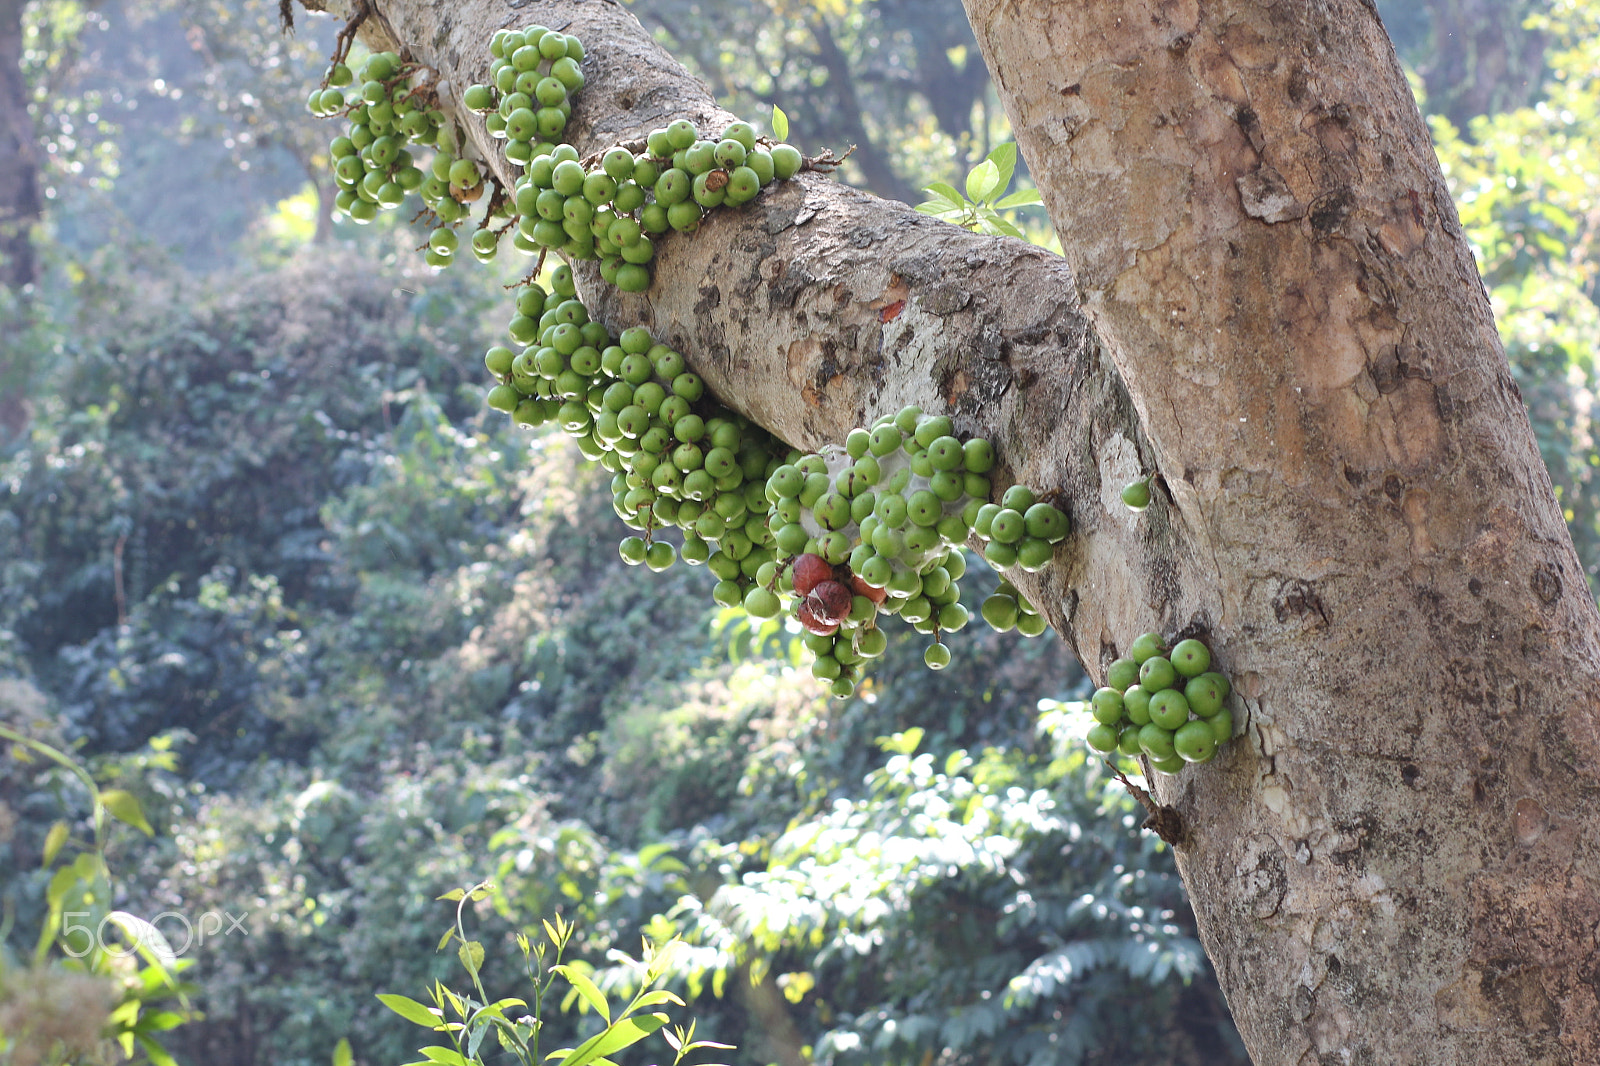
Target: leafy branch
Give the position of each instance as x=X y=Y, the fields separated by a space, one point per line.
x=979 y=210
x=85 y=883
x=467 y=1020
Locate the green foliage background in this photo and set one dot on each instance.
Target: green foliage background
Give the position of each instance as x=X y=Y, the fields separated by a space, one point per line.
x=267 y=563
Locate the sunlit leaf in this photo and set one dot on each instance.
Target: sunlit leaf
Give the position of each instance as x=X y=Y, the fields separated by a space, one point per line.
x=124 y=807
x=471 y=956
x=658 y=996
x=53 y=842
x=903 y=743
x=448 y=1056
x=146 y=939
x=1004 y=157
x=983 y=181
x=158 y=1055
x=625 y=1032
x=587 y=990
x=412 y=1011
x=1020 y=198
x=996 y=224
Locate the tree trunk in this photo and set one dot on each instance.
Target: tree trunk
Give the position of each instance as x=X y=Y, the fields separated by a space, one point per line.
x=1267 y=301
x=1401 y=865
x=19 y=179
x=19 y=211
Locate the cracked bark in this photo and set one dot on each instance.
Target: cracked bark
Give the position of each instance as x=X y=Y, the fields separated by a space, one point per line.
x=1398 y=863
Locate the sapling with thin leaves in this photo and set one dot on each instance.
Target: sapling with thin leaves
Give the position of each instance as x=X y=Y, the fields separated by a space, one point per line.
x=467 y=1019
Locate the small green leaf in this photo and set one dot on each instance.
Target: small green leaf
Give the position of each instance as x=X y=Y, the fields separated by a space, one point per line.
x=780 y=123
x=475 y=1039
x=471 y=956
x=453 y=895
x=623 y=1033
x=1004 y=157
x=1020 y=198
x=122 y=806
x=983 y=181
x=444 y=941
x=53 y=842
x=448 y=1056
x=342 y=1055
x=60 y=883
x=904 y=743
x=147 y=939
x=499 y=1006
x=587 y=989
x=656 y=996
x=412 y=1011
x=946 y=191
x=157 y=1054
x=996 y=224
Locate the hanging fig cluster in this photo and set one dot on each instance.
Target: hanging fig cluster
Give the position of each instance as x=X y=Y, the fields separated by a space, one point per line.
x=840 y=539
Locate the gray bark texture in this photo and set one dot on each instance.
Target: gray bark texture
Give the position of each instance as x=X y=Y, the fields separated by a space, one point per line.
x=1267 y=302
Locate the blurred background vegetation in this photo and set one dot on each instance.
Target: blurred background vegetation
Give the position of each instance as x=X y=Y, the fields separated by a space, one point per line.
x=268 y=565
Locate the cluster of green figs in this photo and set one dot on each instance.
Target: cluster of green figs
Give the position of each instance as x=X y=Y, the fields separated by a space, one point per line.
x=1165 y=704
x=612 y=207
x=372 y=161
x=839 y=538
x=877 y=527
x=608 y=208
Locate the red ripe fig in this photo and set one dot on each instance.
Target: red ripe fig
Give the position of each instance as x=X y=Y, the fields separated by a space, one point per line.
x=830 y=601
x=812 y=624
x=808 y=571
x=871 y=592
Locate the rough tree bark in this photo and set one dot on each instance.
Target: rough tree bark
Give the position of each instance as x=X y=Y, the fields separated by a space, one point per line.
x=1268 y=302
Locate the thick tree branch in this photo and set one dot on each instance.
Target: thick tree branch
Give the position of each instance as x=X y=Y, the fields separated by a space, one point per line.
x=1350 y=504
x=816 y=308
